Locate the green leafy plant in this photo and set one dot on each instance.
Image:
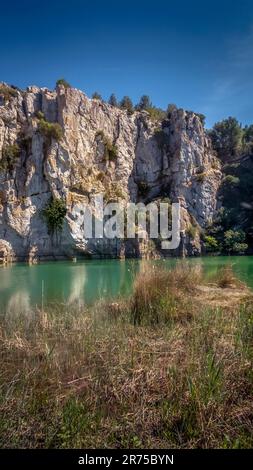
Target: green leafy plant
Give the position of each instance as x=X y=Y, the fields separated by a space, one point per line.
x=211 y=244
x=231 y=180
x=50 y=130
x=110 y=149
x=96 y=96
x=192 y=231
x=143 y=188
x=8 y=92
x=54 y=214
x=234 y=241
x=62 y=81
x=10 y=154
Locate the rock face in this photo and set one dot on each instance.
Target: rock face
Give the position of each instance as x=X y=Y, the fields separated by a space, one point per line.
x=103 y=150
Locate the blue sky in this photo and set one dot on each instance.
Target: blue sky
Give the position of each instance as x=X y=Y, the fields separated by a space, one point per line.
x=196 y=54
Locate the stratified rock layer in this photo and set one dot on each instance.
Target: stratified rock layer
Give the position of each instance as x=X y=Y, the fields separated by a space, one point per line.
x=153 y=160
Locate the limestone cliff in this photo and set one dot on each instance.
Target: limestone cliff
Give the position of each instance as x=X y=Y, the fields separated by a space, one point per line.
x=103 y=149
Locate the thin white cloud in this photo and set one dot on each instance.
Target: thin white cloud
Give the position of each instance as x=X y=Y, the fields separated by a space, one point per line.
x=234 y=77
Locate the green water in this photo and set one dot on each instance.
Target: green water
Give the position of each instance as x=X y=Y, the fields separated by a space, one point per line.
x=22 y=287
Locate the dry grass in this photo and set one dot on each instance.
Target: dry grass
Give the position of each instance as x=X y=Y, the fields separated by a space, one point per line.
x=162 y=295
x=99 y=378
x=225 y=278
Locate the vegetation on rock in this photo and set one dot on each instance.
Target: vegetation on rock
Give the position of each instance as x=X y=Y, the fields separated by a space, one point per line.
x=143 y=188
x=8 y=92
x=113 y=100
x=50 y=130
x=63 y=82
x=54 y=214
x=97 y=96
x=127 y=104
x=10 y=155
x=110 y=149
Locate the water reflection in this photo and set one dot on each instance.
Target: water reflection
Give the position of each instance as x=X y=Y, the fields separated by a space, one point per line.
x=19 y=303
x=21 y=286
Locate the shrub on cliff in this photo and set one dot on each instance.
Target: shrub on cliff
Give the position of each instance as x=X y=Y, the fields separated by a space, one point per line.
x=156 y=114
x=230 y=180
x=192 y=231
x=54 y=214
x=63 y=82
x=143 y=188
x=110 y=149
x=7 y=92
x=96 y=96
x=50 y=130
x=10 y=154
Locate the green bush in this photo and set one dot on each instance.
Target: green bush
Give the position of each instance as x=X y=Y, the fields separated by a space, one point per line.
x=8 y=92
x=96 y=96
x=50 y=130
x=143 y=188
x=211 y=244
x=63 y=82
x=40 y=115
x=10 y=154
x=54 y=214
x=156 y=114
x=234 y=241
x=110 y=149
x=192 y=231
x=231 y=180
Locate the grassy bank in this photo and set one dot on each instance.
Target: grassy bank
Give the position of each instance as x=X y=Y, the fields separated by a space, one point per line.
x=170 y=367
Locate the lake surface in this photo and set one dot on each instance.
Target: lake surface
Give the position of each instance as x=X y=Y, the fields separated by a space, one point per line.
x=22 y=286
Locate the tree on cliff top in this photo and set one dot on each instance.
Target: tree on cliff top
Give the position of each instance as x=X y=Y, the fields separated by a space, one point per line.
x=144 y=103
x=227 y=138
x=113 y=100
x=126 y=103
x=62 y=81
x=96 y=96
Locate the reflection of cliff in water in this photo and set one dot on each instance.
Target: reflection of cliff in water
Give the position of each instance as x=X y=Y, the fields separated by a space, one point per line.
x=19 y=304
x=78 y=281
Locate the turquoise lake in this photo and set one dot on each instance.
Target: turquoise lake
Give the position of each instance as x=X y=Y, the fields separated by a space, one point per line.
x=22 y=287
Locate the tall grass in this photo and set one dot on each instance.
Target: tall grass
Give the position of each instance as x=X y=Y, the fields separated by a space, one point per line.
x=157 y=370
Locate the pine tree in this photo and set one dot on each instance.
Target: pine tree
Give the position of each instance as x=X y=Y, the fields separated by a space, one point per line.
x=96 y=96
x=113 y=100
x=126 y=103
